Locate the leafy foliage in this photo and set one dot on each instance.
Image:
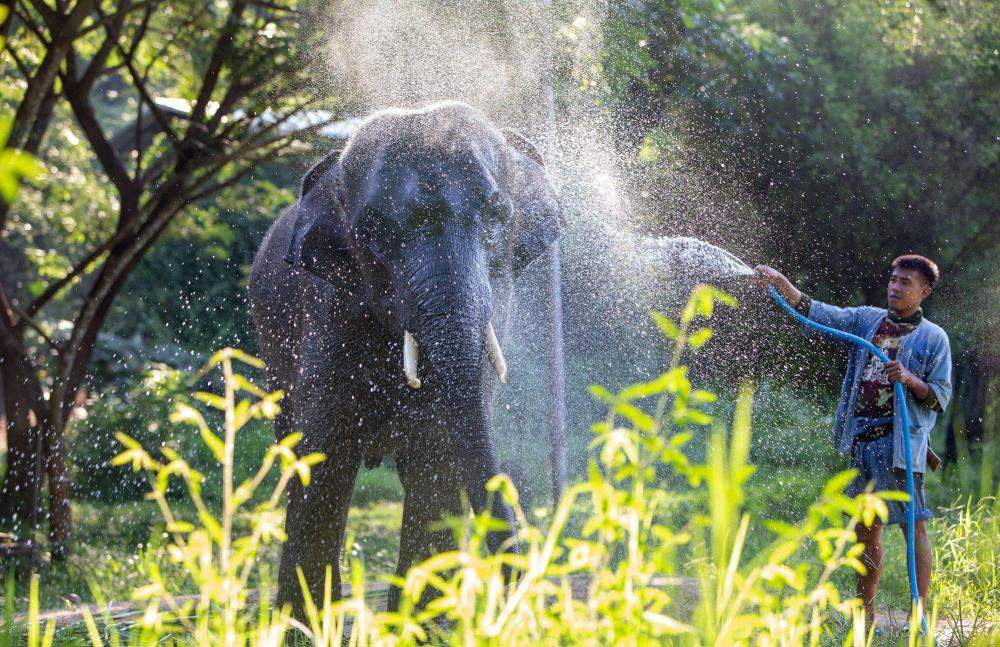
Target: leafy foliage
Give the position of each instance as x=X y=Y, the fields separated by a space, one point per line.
x=605 y=584
x=848 y=132
x=967 y=573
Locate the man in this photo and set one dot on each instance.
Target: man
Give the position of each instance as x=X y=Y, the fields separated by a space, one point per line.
x=866 y=425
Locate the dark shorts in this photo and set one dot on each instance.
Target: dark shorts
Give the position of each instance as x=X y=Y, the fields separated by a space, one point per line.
x=873 y=460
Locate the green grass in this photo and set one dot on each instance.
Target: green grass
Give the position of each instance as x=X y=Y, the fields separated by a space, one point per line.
x=110 y=539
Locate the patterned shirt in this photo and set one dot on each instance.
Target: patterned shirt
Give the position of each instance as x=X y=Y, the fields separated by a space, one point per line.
x=875 y=392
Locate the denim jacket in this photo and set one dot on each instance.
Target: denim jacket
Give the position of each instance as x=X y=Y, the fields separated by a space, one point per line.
x=925 y=352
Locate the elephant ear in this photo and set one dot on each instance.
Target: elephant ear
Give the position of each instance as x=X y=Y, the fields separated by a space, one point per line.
x=319 y=238
x=538 y=215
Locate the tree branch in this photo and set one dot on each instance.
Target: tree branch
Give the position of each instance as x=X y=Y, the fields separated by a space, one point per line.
x=105 y=19
x=48 y=15
x=234 y=179
x=55 y=288
x=21 y=67
x=24 y=319
x=140 y=86
x=223 y=45
x=83 y=110
x=30 y=24
x=274 y=6
x=45 y=75
x=97 y=61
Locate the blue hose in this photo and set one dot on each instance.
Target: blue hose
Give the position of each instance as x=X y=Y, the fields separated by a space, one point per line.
x=901 y=408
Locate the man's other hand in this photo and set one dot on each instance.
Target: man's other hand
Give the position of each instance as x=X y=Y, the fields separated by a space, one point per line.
x=897 y=373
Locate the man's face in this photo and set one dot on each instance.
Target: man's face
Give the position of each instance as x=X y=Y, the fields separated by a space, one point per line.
x=907 y=290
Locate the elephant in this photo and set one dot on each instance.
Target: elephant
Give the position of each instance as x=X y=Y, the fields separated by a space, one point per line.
x=380 y=300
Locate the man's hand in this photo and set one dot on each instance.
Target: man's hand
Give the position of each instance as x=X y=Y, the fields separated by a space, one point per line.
x=897 y=373
x=769 y=276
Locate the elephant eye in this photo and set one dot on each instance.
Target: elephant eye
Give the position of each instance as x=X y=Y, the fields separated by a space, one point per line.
x=379 y=234
x=496 y=210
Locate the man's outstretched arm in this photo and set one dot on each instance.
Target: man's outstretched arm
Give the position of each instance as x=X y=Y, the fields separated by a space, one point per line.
x=771 y=276
x=844 y=319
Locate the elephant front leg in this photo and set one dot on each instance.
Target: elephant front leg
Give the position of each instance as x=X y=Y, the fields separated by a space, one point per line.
x=432 y=491
x=315 y=523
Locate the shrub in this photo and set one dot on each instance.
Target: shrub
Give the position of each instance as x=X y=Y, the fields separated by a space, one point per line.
x=606 y=584
x=140 y=409
x=967 y=573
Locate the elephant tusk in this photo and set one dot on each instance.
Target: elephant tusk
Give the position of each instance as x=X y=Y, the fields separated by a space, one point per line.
x=496 y=353
x=410 y=355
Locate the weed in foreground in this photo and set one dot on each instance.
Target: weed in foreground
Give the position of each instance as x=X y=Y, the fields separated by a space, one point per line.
x=606 y=584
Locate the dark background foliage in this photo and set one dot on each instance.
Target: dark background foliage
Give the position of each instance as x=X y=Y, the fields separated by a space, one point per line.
x=821 y=137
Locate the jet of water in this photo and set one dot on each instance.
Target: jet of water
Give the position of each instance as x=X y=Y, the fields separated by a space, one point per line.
x=683 y=256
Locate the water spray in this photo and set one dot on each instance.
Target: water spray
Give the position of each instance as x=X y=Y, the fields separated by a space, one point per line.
x=904 y=419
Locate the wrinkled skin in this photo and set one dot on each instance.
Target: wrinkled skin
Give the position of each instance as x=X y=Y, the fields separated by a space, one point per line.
x=421 y=224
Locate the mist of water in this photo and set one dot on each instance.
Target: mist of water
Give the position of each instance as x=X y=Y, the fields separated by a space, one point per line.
x=498 y=57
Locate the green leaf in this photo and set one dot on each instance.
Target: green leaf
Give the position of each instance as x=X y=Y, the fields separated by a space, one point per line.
x=636 y=416
x=504 y=484
x=211 y=399
x=725 y=298
x=185 y=413
x=779 y=527
x=698 y=417
x=211 y=525
x=313 y=459
x=180 y=527
x=15 y=166
x=676 y=380
x=703 y=300
x=243 y=384
x=291 y=440
x=839 y=481
x=646 y=389
x=214 y=443
x=246 y=358
x=127 y=440
x=699 y=338
x=667 y=327
x=601 y=393
x=700 y=396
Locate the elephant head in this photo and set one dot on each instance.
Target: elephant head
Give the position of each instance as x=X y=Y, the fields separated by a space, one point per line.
x=423 y=221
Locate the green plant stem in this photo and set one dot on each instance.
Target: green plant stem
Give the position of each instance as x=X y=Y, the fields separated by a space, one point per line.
x=675 y=360
x=228 y=511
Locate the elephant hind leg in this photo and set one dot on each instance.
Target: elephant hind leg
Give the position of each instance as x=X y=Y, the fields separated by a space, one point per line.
x=315 y=523
x=433 y=491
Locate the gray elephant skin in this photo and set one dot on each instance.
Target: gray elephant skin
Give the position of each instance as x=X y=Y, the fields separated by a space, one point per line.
x=415 y=231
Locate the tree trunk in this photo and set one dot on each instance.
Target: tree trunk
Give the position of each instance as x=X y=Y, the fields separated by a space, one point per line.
x=25 y=413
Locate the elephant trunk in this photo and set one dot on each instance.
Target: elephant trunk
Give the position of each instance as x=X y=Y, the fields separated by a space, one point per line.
x=449 y=320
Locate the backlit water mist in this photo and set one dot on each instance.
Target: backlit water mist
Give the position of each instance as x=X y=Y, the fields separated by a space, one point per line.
x=500 y=57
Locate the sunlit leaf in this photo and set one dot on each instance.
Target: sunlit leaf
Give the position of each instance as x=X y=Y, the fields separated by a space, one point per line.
x=211 y=399
x=666 y=326
x=699 y=338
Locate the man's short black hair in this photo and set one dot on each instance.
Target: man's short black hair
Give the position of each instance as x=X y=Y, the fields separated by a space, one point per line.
x=925 y=266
